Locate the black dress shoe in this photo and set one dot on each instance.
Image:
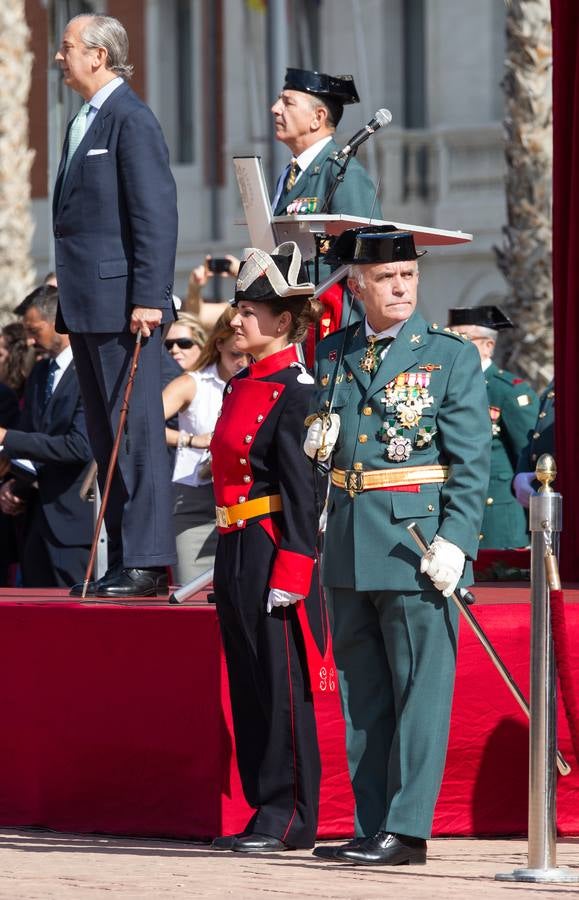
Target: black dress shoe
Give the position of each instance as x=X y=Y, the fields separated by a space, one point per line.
x=225 y=842
x=152 y=582
x=258 y=843
x=385 y=849
x=331 y=852
x=92 y=586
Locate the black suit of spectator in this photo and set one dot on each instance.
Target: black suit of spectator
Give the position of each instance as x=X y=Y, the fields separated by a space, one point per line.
x=59 y=524
x=9 y=414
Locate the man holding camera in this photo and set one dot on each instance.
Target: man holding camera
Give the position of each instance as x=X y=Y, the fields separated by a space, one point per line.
x=52 y=435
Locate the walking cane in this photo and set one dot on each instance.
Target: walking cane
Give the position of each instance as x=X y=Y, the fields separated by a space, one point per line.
x=416 y=534
x=113 y=460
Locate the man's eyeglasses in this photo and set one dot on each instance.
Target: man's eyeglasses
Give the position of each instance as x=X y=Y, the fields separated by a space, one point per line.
x=182 y=343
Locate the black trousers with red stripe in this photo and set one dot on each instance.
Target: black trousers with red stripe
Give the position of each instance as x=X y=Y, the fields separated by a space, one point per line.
x=273 y=712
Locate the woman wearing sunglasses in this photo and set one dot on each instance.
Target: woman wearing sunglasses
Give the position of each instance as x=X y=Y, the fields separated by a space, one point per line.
x=196 y=396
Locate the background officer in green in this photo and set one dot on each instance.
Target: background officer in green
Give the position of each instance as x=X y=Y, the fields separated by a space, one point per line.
x=411 y=442
x=306 y=115
x=513 y=408
x=542 y=440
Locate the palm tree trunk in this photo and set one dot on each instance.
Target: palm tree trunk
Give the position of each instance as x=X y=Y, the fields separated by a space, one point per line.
x=525 y=257
x=16 y=269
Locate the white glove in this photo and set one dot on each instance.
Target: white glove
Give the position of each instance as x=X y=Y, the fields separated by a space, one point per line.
x=523 y=487
x=322 y=436
x=277 y=597
x=444 y=564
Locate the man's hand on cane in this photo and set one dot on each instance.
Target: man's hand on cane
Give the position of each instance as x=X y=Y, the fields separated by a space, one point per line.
x=145 y=320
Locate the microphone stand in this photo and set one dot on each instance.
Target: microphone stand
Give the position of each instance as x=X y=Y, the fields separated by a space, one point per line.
x=338 y=179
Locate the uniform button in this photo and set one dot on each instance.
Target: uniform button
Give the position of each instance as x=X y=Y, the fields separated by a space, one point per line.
x=239 y=523
x=550 y=395
x=367 y=410
x=481 y=536
x=358 y=467
x=326 y=402
x=362 y=438
x=248 y=438
x=241 y=500
x=260 y=418
x=275 y=395
x=247 y=479
x=434 y=325
x=229 y=388
x=533 y=457
x=430 y=507
x=490 y=501
x=536 y=435
x=243 y=461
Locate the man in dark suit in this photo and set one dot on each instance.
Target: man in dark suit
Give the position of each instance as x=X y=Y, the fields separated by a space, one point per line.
x=52 y=435
x=115 y=230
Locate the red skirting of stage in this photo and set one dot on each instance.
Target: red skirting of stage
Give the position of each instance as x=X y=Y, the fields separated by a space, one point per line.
x=115 y=719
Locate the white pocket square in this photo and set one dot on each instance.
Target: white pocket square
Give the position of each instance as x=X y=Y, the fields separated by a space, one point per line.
x=97 y=152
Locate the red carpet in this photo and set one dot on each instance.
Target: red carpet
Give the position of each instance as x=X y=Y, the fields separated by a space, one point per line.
x=115 y=718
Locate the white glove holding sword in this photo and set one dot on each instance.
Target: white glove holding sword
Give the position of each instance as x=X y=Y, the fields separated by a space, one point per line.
x=323 y=430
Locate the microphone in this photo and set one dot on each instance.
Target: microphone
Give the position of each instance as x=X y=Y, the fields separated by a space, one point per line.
x=381 y=117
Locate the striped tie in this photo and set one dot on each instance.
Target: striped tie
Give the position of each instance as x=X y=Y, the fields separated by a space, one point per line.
x=76 y=134
x=292 y=174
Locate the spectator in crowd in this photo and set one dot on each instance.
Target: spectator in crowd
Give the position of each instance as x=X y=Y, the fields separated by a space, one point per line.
x=185 y=340
x=9 y=414
x=207 y=311
x=197 y=397
x=52 y=435
x=17 y=357
x=267 y=519
x=513 y=408
x=541 y=440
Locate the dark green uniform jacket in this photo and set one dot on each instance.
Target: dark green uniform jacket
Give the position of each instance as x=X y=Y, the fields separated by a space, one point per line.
x=355 y=196
x=426 y=405
x=542 y=438
x=513 y=407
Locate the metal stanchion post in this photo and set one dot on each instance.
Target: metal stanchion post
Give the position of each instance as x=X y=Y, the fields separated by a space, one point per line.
x=545 y=520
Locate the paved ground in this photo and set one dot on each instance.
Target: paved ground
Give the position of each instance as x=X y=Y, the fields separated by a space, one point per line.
x=40 y=865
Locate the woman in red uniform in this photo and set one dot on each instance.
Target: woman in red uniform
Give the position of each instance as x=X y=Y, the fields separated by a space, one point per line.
x=268 y=510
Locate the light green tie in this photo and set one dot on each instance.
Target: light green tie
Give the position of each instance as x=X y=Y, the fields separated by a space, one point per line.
x=76 y=134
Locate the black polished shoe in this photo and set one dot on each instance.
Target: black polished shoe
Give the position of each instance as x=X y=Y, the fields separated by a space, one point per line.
x=152 y=582
x=331 y=852
x=385 y=849
x=225 y=842
x=259 y=843
x=93 y=586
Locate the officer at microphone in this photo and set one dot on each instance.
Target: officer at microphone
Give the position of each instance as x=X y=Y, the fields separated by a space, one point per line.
x=306 y=115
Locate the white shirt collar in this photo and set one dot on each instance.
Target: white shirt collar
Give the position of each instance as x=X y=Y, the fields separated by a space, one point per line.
x=485 y=364
x=105 y=92
x=64 y=358
x=389 y=332
x=307 y=156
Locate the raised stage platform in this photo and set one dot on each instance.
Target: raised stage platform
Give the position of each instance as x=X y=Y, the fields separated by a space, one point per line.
x=115 y=718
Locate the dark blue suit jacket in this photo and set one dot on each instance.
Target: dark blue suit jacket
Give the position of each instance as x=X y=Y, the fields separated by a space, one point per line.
x=55 y=440
x=115 y=220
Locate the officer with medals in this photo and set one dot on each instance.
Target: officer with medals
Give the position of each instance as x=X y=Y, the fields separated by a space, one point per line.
x=306 y=115
x=513 y=407
x=408 y=440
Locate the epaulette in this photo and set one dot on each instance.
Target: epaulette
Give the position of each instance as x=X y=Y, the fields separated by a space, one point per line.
x=436 y=329
x=513 y=380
